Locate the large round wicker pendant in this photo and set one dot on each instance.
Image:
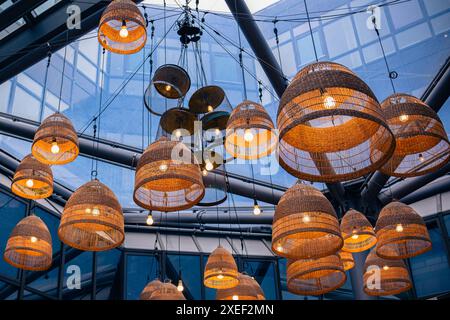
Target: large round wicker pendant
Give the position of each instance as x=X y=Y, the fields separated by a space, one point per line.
x=171 y=81
x=327 y=119
x=92 y=219
x=55 y=142
x=245 y=290
x=167 y=291
x=422 y=145
x=221 y=270
x=122 y=28
x=347 y=259
x=29 y=246
x=357 y=232
x=33 y=179
x=401 y=232
x=259 y=291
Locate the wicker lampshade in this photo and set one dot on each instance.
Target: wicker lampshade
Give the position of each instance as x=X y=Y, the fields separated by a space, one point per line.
x=422 y=144
x=393 y=276
x=150 y=288
x=315 y=276
x=347 y=259
x=206 y=99
x=29 y=246
x=122 y=28
x=171 y=81
x=326 y=120
x=164 y=183
x=250 y=132
x=401 y=232
x=92 y=219
x=259 y=291
x=177 y=122
x=167 y=291
x=245 y=290
x=33 y=179
x=357 y=232
x=305 y=225
x=55 y=142
x=221 y=270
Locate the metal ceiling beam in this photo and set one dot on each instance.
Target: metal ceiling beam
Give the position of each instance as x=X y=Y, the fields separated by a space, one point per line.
x=432 y=189
x=16 y=11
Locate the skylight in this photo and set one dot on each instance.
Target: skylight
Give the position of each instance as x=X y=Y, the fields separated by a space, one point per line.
x=216 y=6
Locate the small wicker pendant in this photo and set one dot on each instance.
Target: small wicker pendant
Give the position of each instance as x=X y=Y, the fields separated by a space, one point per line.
x=347 y=259
x=171 y=81
x=167 y=291
x=357 y=232
x=150 y=288
x=221 y=270
x=245 y=290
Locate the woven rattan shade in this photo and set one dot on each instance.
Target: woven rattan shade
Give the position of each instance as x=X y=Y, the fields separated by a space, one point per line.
x=315 y=276
x=221 y=270
x=111 y=24
x=92 y=219
x=55 y=130
x=258 y=289
x=305 y=225
x=149 y=289
x=33 y=179
x=357 y=232
x=167 y=291
x=422 y=145
x=401 y=232
x=245 y=290
x=347 y=260
x=250 y=117
x=171 y=81
x=29 y=246
x=327 y=121
x=168 y=177
x=392 y=275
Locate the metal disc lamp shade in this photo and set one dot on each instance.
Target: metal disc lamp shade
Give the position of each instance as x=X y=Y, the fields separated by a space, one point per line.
x=327 y=119
x=122 y=28
x=357 y=232
x=305 y=225
x=92 y=219
x=167 y=291
x=250 y=132
x=29 y=246
x=149 y=289
x=315 y=276
x=245 y=290
x=32 y=179
x=401 y=232
x=385 y=277
x=177 y=122
x=347 y=259
x=206 y=99
x=422 y=144
x=171 y=81
x=168 y=177
x=55 y=142
x=221 y=271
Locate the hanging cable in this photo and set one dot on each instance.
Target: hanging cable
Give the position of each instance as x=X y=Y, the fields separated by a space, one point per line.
x=44 y=94
x=277 y=41
x=102 y=83
x=310 y=31
x=62 y=74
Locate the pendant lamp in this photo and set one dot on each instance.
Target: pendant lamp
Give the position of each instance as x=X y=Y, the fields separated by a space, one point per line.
x=177 y=122
x=250 y=132
x=221 y=270
x=92 y=219
x=401 y=232
x=422 y=145
x=149 y=289
x=55 y=142
x=122 y=28
x=327 y=119
x=258 y=289
x=305 y=225
x=29 y=246
x=347 y=259
x=245 y=290
x=171 y=81
x=206 y=99
x=357 y=232
x=167 y=291
x=32 y=179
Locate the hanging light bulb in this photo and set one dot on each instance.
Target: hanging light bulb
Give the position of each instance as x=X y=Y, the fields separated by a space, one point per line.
x=306 y=219
x=355 y=237
x=209 y=166
x=421 y=158
x=279 y=248
x=399 y=228
x=150 y=220
x=33 y=239
x=168 y=87
x=177 y=133
x=403 y=117
x=220 y=276
x=235 y=297
x=217 y=131
x=95 y=211
x=29 y=183
x=329 y=102
x=180 y=287
x=204 y=172
x=210 y=108
x=385 y=268
x=256 y=209
x=123 y=30
x=55 y=148
x=163 y=167
x=88 y=211
x=248 y=135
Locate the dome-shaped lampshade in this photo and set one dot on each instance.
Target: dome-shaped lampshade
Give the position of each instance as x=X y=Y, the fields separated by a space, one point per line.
x=29 y=246
x=55 y=142
x=401 y=232
x=326 y=120
x=167 y=291
x=250 y=132
x=33 y=179
x=221 y=270
x=177 y=122
x=385 y=277
x=245 y=290
x=122 y=28
x=422 y=144
x=258 y=289
x=168 y=177
x=305 y=225
x=206 y=99
x=92 y=219
x=149 y=289
x=347 y=259
x=315 y=276
x=171 y=81
x=357 y=232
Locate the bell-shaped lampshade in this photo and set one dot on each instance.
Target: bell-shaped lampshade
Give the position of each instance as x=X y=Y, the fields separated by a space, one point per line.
x=122 y=28
x=305 y=225
x=167 y=291
x=258 y=289
x=384 y=277
x=326 y=120
x=250 y=132
x=32 y=179
x=92 y=219
x=422 y=144
x=149 y=289
x=347 y=259
x=221 y=271
x=55 y=142
x=357 y=232
x=168 y=177
x=171 y=81
x=401 y=232
x=177 y=122
x=206 y=99
x=245 y=290
x=29 y=246
x=315 y=276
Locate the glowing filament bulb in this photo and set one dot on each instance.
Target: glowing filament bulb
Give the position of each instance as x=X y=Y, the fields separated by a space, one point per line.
x=150 y=220
x=306 y=219
x=178 y=133
x=163 y=167
x=235 y=297
x=209 y=166
x=355 y=237
x=220 y=276
x=29 y=183
x=248 y=135
x=329 y=102
x=123 y=30
x=399 y=228
x=55 y=148
x=168 y=87
x=386 y=268
x=421 y=158
x=403 y=117
x=279 y=248
x=96 y=211
x=217 y=131
x=256 y=210
x=205 y=172
x=180 y=287
x=88 y=210
x=33 y=239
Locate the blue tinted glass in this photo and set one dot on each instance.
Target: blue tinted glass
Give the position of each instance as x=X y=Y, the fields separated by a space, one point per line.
x=140 y=270
x=190 y=274
x=79 y=264
x=107 y=274
x=264 y=273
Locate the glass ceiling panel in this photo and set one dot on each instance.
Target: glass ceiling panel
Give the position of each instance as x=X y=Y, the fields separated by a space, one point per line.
x=44 y=7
